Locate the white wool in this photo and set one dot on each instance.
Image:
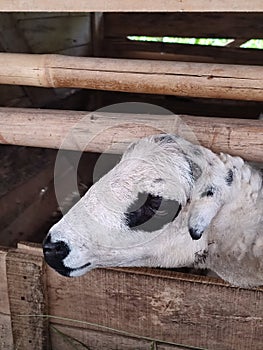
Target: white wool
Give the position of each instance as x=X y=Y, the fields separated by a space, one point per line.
x=221 y=197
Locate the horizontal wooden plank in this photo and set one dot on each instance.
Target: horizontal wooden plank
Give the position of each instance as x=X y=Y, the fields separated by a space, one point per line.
x=238 y=82
x=132 y=5
x=181 y=52
x=29 y=16
x=113 y=132
x=211 y=25
x=199 y=314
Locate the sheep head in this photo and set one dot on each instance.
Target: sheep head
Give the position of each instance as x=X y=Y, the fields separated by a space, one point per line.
x=142 y=211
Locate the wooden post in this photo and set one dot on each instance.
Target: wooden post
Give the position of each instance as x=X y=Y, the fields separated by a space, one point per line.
x=28 y=300
x=6 y=336
x=113 y=132
x=208 y=80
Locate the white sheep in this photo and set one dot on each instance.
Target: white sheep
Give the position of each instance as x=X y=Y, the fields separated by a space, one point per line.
x=167 y=203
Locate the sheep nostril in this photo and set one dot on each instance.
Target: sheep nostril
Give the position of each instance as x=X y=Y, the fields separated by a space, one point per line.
x=55 y=250
x=195 y=233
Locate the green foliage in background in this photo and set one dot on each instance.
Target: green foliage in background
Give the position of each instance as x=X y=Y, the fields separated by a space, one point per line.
x=251 y=44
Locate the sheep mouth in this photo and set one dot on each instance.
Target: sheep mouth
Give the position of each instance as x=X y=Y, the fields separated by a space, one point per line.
x=80 y=268
x=69 y=271
x=77 y=271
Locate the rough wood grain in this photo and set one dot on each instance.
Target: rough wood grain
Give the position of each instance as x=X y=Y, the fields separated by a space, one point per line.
x=211 y=25
x=141 y=76
x=26 y=290
x=113 y=132
x=132 y=5
x=6 y=336
x=163 y=305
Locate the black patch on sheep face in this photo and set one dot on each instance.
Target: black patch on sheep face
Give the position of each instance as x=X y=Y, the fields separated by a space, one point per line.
x=229 y=177
x=150 y=213
x=209 y=192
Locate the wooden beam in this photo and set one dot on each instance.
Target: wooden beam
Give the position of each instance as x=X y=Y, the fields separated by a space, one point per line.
x=121 y=48
x=140 y=76
x=185 y=24
x=6 y=336
x=27 y=298
x=238 y=42
x=113 y=132
x=132 y=5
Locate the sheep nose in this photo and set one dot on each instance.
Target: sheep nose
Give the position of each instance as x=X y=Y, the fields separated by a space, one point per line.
x=55 y=252
x=195 y=233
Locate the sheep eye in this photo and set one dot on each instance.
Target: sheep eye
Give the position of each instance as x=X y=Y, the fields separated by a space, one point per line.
x=151 y=213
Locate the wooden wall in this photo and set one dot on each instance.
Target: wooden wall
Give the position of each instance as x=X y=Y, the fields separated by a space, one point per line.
x=122 y=309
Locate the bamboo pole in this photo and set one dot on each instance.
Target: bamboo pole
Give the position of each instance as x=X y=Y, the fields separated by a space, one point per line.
x=132 y=6
x=207 y=80
x=113 y=132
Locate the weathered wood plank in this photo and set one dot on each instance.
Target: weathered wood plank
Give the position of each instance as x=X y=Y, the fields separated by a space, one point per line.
x=27 y=297
x=6 y=336
x=211 y=25
x=140 y=76
x=132 y=5
x=181 y=52
x=113 y=132
x=174 y=308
